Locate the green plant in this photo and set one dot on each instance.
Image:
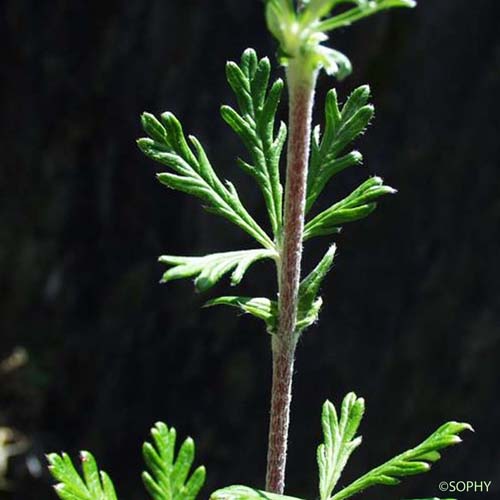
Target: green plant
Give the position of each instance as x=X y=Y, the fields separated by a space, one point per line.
x=168 y=477
x=340 y=441
x=314 y=157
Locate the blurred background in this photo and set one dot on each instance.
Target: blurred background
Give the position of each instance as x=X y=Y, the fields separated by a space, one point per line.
x=93 y=350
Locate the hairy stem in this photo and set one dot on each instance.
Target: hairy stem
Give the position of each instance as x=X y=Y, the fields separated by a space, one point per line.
x=281 y=396
x=301 y=82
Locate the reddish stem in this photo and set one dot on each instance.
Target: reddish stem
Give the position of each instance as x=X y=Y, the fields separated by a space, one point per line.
x=301 y=85
x=281 y=397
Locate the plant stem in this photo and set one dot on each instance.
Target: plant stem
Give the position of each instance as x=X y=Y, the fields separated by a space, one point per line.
x=301 y=83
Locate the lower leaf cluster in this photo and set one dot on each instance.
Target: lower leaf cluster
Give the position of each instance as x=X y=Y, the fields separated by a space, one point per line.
x=339 y=442
x=169 y=477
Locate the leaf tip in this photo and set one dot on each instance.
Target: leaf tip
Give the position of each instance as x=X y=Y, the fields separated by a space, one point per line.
x=249 y=52
x=365 y=91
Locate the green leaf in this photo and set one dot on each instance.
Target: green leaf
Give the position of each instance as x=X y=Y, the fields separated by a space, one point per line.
x=209 y=269
x=260 y=307
x=364 y=8
x=169 y=476
x=300 y=34
x=316 y=9
x=358 y=205
x=91 y=485
x=255 y=125
x=238 y=492
x=193 y=173
x=411 y=462
x=334 y=62
x=280 y=15
x=339 y=441
x=341 y=128
x=309 y=302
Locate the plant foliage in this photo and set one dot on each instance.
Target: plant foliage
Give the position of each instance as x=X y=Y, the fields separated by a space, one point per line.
x=239 y=492
x=92 y=484
x=339 y=442
x=341 y=127
x=300 y=33
x=169 y=476
x=255 y=124
x=358 y=205
x=259 y=307
x=209 y=269
x=414 y=461
x=193 y=173
x=267 y=310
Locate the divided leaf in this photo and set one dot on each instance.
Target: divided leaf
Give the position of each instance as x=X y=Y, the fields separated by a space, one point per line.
x=267 y=310
x=302 y=31
x=209 y=269
x=92 y=485
x=341 y=128
x=362 y=9
x=411 y=462
x=168 y=477
x=194 y=173
x=238 y=492
x=255 y=125
x=359 y=204
x=280 y=14
x=339 y=441
x=309 y=302
x=334 y=62
x=260 y=307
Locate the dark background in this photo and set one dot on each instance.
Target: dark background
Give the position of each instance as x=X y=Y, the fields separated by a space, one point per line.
x=411 y=319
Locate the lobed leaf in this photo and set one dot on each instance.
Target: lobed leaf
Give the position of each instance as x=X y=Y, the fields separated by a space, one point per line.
x=193 y=173
x=317 y=9
x=260 y=307
x=362 y=9
x=341 y=128
x=414 y=461
x=334 y=62
x=339 y=441
x=255 y=124
x=209 y=269
x=309 y=302
x=169 y=476
x=280 y=14
x=91 y=485
x=359 y=204
x=300 y=32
